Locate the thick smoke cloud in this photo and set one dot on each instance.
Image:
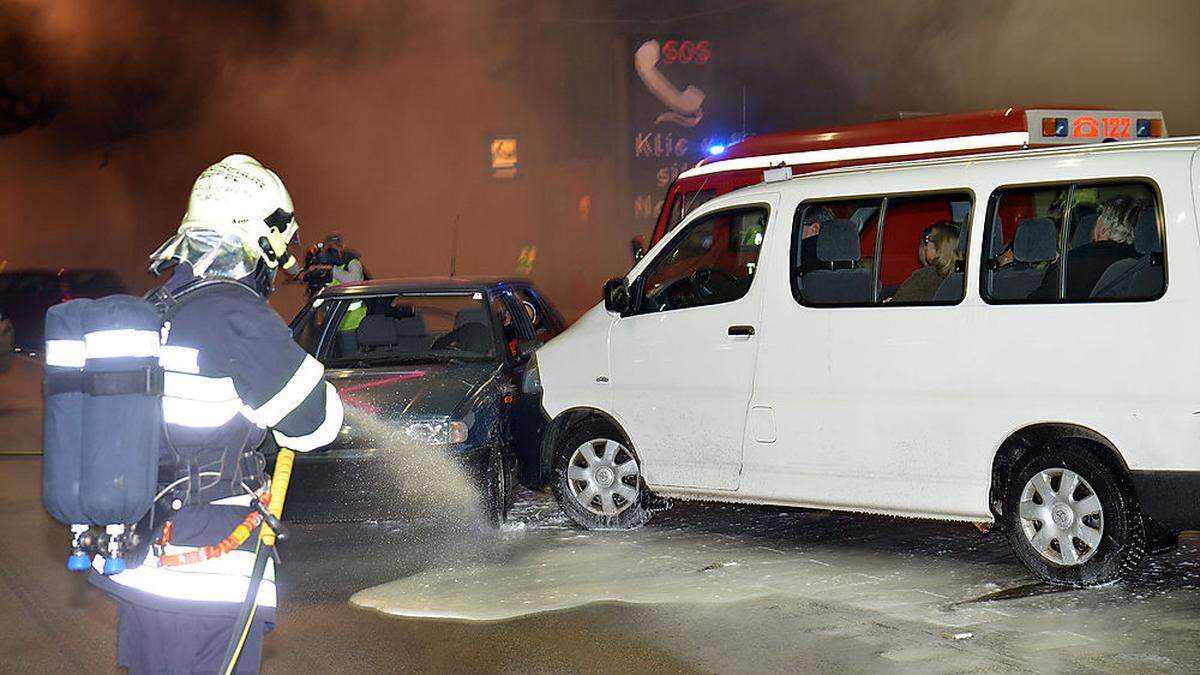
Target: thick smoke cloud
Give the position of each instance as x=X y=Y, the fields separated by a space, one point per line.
x=379 y=114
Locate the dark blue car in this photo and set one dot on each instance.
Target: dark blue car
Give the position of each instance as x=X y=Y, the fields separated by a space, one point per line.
x=427 y=369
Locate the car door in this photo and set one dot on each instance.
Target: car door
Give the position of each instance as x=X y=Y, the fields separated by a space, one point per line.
x=683 y=360
x=525 y=419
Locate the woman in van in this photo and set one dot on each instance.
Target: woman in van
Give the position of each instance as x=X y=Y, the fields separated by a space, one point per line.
x=938 y=253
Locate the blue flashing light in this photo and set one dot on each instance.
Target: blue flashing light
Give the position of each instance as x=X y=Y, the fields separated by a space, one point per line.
x=716 y=149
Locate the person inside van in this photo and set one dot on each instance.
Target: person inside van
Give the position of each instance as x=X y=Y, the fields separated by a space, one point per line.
x=938 y=252
x=811 y=219
x=1112 y=240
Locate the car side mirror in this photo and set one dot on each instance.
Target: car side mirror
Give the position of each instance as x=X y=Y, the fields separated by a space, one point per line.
x=637 y=247
x=616 y=295
x=526 y=348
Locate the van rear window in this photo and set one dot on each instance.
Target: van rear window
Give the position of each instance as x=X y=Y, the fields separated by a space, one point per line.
x=1076 y=242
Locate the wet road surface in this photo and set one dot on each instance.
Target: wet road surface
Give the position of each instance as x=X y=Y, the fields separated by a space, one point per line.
x=701 y=588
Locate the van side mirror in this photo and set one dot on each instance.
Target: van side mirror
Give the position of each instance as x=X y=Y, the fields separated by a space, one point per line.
x=637 y=247
x=616 y=295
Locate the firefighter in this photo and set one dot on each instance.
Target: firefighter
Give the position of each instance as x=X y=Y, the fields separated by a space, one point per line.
x=234 y=382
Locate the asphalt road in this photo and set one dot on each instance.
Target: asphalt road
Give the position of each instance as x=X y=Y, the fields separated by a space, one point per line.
x=702 y=588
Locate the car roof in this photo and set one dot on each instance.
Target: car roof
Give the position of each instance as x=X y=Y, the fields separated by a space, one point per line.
x=424 y=284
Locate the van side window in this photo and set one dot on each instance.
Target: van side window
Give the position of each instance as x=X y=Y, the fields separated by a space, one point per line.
x=1079 y=242
x=901 y=250
x=711 y=262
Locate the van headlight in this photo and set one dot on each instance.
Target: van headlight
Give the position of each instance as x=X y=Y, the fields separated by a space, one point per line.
x=437 y=432
x=532 y=383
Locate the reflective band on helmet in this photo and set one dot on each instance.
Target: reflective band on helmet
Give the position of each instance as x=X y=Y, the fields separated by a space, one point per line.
x=304 y=380
x=223 y=579
x=124 y=342
x=199 y=414
x=199 y=387
x=326 y=433
x=65 y=353
x=179 y=359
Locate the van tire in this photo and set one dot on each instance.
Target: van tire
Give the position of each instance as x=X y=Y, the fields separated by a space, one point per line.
x=1122 y=541
x=598 y=434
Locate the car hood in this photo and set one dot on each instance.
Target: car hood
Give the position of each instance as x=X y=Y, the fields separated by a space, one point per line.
x=412 y=391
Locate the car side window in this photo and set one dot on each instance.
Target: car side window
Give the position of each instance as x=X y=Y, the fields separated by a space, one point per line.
x=1077 y=242
x=712 y=262
x=311 y=326
x=538 y=314
x=506 y=319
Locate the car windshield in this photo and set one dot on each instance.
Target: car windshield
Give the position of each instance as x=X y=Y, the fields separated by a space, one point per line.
x=403 y=328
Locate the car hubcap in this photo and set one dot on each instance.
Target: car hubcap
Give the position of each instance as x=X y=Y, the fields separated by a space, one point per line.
x=1061 y=516
x=603 y=477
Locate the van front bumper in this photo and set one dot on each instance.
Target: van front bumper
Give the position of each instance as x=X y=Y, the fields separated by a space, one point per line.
x=1169 y=498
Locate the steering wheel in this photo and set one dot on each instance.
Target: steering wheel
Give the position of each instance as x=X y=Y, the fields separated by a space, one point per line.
x=702 y=281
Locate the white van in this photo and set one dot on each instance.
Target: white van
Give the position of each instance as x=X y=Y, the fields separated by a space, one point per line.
x=1006 y=339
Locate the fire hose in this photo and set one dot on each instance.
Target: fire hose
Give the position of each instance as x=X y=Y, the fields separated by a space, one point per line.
x=262 y=553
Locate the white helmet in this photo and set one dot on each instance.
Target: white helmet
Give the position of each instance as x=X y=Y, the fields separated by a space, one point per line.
x=239 y=214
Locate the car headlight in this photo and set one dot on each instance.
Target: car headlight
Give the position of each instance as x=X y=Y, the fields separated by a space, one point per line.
x=436 y=432
x=532 y=382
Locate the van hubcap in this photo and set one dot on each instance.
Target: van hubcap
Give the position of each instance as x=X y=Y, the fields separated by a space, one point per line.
x=1061 y=516
x=603 y=476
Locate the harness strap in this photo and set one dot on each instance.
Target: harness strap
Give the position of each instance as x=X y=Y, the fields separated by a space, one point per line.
x=235 y=539
x=144 y=380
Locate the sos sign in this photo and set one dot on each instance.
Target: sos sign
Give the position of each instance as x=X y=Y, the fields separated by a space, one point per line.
x=695 y=52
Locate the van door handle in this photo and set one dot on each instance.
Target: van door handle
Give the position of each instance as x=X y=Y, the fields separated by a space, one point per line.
x=742 y=331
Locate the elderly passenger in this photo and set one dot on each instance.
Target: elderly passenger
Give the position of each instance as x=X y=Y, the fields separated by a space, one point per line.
x=1112 y=240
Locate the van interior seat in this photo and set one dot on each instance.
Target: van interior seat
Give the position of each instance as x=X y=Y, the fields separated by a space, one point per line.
x=842 y=281
x=951 y=288
x=1140 y=277
x=1083 y=221
x=1035 y=242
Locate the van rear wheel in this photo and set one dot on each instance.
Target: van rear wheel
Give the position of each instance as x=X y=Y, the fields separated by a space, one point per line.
x=598 y=479
x=1071 y=519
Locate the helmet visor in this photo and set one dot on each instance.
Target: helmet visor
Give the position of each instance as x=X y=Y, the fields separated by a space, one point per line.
x=210 y=253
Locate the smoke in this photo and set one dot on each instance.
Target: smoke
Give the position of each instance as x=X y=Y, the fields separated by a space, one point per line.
x=379 y=115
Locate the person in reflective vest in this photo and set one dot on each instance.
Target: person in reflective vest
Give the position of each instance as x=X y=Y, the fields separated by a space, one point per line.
x=234 y=381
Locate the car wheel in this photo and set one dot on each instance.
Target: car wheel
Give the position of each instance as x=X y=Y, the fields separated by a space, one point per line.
x=1072 y=519
x=598 y=478
x=499 y=488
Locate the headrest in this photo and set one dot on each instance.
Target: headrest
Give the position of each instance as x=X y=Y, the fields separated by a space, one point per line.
x=1145 y=234
x=376 y=330
x=474 y=337
x=410 y=326
x=1083 y=220
x=1036 y=241
x=470 y=315
x=838 y=241
x=997 y=241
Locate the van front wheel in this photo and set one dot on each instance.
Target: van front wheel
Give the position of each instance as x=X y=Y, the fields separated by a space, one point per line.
x=1072 y=519
x=598 y=479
